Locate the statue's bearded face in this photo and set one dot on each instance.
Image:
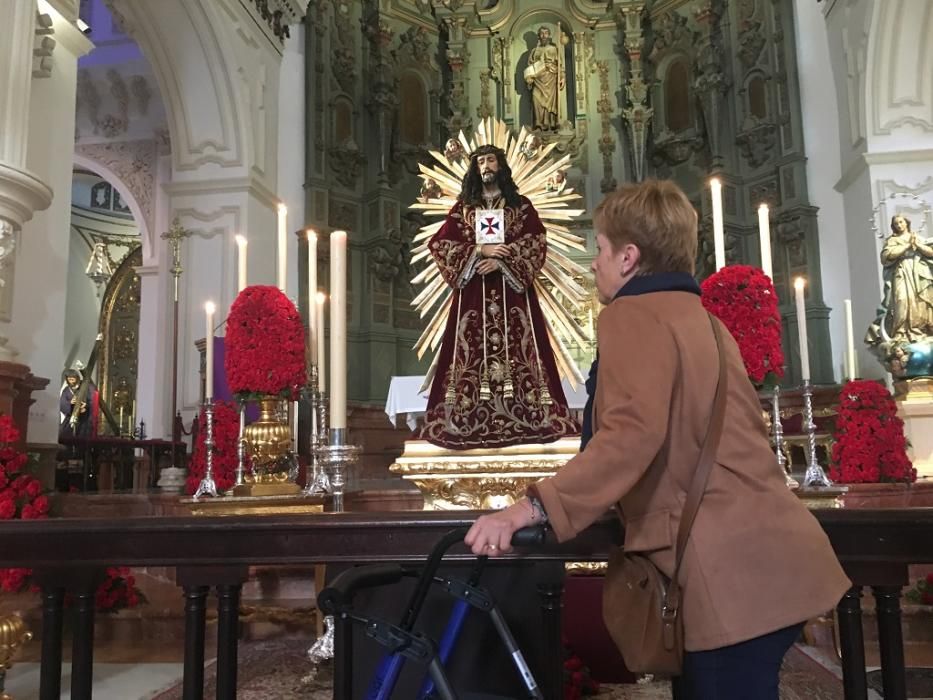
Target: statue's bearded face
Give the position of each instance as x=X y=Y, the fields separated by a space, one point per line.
x=544 y=36
x=488 y=166
x=72 y=381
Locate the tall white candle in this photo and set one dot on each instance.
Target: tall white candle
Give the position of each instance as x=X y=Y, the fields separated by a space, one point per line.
x=242 y=421
x=799 y=284
x=312 y=295
x=209 y=309
x=282 y=257
x=338 y=330
x=120 y=431
x=851 y=372
x=319 y=324
x=294 y=426
x=719 y=236
x=764 y=239
x=240 y=263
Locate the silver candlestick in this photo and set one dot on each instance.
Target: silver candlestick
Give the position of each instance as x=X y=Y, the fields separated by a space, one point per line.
x=815 y=477
x=241 y=448
x=778 y=432
x=207 y=487
x=338 y=457
x=317 y=482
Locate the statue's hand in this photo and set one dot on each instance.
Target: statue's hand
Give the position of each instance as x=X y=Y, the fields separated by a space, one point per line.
x=486 y=266
x=496 y=250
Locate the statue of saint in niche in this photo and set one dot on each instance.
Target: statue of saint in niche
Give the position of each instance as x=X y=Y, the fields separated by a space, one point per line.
x=902 y=334
x=544 y=78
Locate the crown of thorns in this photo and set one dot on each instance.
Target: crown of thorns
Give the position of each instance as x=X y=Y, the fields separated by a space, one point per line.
x=486 y=148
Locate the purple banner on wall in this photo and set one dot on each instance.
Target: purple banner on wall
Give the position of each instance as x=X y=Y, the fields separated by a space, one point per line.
x=221 y=388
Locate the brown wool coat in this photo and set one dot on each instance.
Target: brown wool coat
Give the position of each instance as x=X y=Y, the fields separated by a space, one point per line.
x=756 y=560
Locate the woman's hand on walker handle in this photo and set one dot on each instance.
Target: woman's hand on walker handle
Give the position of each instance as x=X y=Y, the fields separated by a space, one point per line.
x=491 y=535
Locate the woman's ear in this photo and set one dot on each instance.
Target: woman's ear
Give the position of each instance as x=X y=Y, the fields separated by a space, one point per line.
x=631 y=256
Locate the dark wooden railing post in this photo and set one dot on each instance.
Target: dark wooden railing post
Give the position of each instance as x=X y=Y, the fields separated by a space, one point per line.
x=196 y=580
x=852 y=644
x=50 y=670
x=228 y=628
x=84 y=585
x=195 y=615
x=893 y=673
x=550 y=594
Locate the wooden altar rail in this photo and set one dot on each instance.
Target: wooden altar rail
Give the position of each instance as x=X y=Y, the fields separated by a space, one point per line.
x=875 y=546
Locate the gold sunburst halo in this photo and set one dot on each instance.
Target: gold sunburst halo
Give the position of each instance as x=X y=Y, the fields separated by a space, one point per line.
x=539 y=177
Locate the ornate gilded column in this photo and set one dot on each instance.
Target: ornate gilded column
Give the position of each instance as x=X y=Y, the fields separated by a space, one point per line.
x=711 y=82
x=637 y=114
x=24 y=39
x=454 y=17
x=382 y=87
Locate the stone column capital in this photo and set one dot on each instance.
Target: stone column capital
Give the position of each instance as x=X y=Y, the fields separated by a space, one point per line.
x=21 y=195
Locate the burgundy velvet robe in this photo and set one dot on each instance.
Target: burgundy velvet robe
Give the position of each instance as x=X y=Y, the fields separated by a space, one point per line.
x=471 y=422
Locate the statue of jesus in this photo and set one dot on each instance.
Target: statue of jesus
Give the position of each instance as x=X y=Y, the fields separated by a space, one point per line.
x=496 y=381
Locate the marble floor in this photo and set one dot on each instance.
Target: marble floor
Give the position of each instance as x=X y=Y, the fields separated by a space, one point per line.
x=111 y=681
x=810 y=674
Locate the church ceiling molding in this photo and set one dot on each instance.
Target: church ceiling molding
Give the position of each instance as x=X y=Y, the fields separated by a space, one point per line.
x=129 y=167
x=276 y=16
x=901 y=72
x=195 y=77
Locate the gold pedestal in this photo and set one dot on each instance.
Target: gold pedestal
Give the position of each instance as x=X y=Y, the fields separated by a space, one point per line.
x=915 y=407
x=13 y=635
x=296 y=504
x=285 y=488
x=479 y=479
x=828 y=497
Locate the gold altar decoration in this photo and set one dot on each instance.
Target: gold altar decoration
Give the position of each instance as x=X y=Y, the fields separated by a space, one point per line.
x=13 y=635
x=819 y=498
x=543 y=181
x=479 y=479
x=248 y=504
x=269 y=446
x=916 y=390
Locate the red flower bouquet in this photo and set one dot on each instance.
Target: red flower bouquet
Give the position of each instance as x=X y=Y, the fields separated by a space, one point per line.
x=922 y=593
x=577 y=680
x=265 y=345
x=743 y=298
x=118 y=591
x=870 y=446
x=226 y=436
x=20 y=496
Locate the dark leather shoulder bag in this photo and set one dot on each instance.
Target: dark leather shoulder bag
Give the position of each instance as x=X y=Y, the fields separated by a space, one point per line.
x=641 y=606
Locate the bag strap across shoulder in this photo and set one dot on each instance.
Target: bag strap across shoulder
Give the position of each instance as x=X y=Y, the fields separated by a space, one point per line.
x=701 y=475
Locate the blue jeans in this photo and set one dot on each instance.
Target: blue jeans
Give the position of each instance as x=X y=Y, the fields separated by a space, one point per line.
x=745 y=671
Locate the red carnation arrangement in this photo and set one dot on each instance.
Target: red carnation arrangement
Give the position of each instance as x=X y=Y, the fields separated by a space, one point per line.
x=118 y=591
x=265 y=345
x=577 y=679
x=226 y=437
x=744 y=299
x=20 y=496
x=922 y=593
x=870 y=446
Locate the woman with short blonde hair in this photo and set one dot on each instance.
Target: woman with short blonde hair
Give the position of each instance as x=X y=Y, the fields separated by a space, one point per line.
x=744 y=595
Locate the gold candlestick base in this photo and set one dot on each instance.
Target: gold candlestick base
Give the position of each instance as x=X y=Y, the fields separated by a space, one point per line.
x=13 y=635
x=285 y=488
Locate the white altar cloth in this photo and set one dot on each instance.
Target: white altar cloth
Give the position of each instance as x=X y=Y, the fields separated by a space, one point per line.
x=404 y=397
